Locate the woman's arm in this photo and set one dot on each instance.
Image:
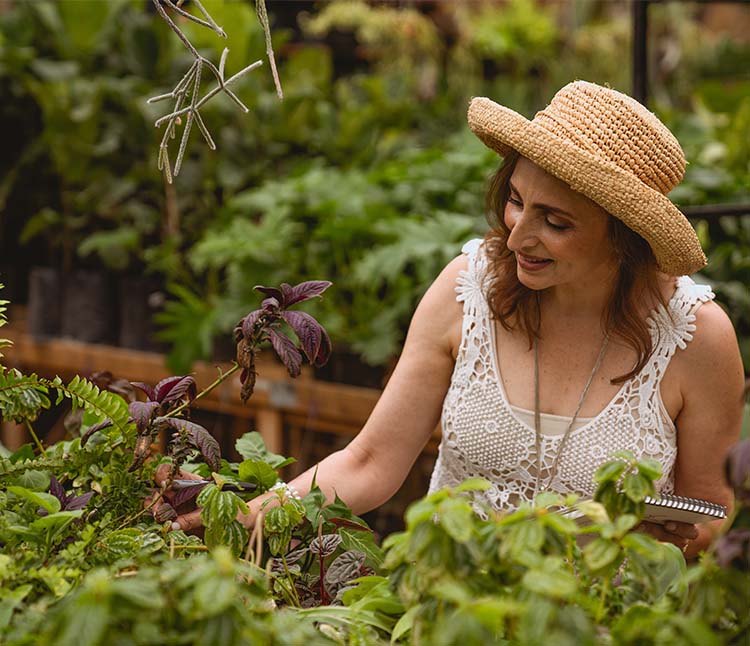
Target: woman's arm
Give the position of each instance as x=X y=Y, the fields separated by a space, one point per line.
x=370 y=470
x=712 y=381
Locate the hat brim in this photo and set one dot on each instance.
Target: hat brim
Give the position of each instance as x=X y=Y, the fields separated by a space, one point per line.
x=644 y=210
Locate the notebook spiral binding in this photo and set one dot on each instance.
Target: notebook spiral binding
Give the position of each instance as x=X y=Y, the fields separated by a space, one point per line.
x=683 y=503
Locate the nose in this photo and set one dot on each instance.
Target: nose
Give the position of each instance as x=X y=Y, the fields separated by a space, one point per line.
x=523 y=230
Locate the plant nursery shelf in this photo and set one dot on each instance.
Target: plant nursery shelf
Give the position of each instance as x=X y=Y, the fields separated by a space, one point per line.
x=278 y=402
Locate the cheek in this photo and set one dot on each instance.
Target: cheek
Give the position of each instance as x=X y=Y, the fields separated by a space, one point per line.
x=508 y=217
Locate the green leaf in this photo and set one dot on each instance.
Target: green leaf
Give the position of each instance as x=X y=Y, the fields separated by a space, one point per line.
x=259 y=472
x=473 y=484
x=252 y=447
x=560 y=524
x=362 y=542
x=640 y=543
x=637 y=487
x=456 y=516
x=123 y=542
x=552 y=583
x=651 y=469
x=46 y=501
x=609 y=471
x=35 y=480
x=405 y=624
x=600 y=553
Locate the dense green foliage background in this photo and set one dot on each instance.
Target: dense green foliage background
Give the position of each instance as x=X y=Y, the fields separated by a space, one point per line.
x=365 y=174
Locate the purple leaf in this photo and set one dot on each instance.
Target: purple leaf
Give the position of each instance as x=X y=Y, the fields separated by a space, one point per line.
x=737 y=470
x=164 y=386
x=325 y=545
x=185 y=387
x=287 y=351
x=56 y=489
x=270 y=304
x=324 y=352
x=200 y=438
x=308 y=330
x=271 y=292
x=93 y=429
x=249 y=322
x=303 y=292
x=146 y=389
x=185 y=494
x=79 y=502
x=141 y=413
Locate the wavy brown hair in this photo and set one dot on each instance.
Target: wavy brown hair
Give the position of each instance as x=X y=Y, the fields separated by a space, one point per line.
x=515 y=306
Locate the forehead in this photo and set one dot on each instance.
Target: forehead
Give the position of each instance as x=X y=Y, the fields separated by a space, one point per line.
x=537 y=185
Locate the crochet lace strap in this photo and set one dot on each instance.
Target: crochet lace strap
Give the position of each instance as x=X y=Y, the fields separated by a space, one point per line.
x=670 y=329
x=469 y=281
x=673 y=328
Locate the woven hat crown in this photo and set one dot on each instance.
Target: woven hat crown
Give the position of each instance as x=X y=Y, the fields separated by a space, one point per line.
x=614 y=127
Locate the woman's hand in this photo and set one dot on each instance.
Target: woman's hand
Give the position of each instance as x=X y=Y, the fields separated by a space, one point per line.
x=679 y=534
x=188 y=514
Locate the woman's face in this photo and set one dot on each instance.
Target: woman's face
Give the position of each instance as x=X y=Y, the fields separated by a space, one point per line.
x=559 y=236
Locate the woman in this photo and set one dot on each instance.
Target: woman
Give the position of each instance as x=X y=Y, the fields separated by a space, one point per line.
x=570 y=332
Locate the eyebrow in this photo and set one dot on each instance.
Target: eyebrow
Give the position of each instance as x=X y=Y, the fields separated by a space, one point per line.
x=548 y=207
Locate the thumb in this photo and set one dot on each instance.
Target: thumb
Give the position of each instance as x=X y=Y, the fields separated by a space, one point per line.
x=186 y=522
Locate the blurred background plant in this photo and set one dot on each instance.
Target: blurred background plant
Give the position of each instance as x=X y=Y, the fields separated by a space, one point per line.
x=365 y=173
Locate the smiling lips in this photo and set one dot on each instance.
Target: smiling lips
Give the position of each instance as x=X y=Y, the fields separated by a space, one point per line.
x=531 y=263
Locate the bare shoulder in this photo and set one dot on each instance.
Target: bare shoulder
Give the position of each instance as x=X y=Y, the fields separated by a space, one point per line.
x=711 y=362
x=438 y=316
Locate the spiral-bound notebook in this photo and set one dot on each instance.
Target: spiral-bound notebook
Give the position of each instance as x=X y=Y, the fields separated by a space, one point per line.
x=682 y=509
x=669 y=508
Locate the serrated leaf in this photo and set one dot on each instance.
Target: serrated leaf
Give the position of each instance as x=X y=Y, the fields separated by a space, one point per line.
x=287 y=352
x=247 y=325
x=163 y=387
x=123 y=542
x=184 y=388
x=362 y=542
x=79 y=502
x=303 y=291
x=141 y=413
x=344 y=568
x=146 y=389
x=308 y=331
x=325 y=545
x=200 y=438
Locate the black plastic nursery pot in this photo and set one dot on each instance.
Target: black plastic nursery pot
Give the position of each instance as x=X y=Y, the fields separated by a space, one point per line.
x=88 y=308
x=45 y=302
x=140 y=298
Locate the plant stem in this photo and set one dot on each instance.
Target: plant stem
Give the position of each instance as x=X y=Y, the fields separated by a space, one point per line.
x=602 y=599
x=223 y=376
x=36 y=439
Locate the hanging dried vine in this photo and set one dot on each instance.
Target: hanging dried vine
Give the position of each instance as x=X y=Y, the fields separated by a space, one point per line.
x=185 y=94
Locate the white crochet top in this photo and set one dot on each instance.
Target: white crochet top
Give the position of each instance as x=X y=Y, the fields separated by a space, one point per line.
x=483 y=437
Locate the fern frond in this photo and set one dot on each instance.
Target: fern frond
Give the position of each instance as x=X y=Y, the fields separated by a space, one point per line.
x=10 y=468
x=22 y=397
x=84 y=394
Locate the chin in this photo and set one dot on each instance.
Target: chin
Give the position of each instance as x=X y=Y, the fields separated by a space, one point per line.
x=530 y=281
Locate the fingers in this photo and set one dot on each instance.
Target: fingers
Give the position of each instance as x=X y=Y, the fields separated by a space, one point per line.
x=684 y=530
x=186 y=522
x=163 y=470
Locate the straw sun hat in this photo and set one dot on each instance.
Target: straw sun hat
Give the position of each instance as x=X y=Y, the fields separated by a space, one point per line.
x=606 y=145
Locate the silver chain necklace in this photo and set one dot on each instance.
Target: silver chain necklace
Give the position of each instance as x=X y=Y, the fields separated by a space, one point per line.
x=537 y=415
